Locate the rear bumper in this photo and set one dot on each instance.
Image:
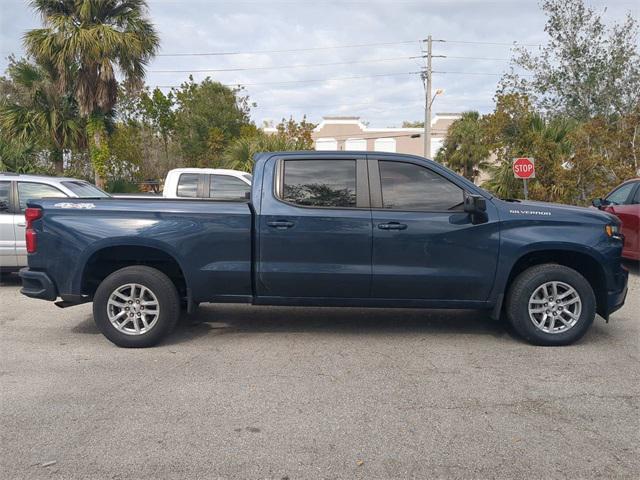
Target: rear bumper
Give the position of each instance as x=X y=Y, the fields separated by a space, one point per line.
x=37 y=285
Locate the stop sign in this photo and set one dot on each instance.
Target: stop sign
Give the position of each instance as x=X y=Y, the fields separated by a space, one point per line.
x=524 y=168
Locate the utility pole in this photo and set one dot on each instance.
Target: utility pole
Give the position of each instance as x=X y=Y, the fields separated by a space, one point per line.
x=427 y=100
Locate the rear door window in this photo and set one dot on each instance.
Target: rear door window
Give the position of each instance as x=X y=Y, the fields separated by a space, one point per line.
x=226 y=187
x=320 y=183
x=636 y=197
x=5 y=197
x=33 y=191
x=188 y=185
x=85 y=190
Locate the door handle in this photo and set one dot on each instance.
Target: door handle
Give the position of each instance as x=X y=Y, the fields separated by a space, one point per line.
x=280 y=224
x=392 y=226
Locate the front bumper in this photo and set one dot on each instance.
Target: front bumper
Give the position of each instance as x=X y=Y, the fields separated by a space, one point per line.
x=37 y=285
x=616 y=297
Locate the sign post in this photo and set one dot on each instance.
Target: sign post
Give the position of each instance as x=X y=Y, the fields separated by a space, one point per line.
x=524 y=168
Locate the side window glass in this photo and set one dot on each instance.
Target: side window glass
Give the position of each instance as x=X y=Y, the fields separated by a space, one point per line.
x=620 y=196
x=226 y=187
x=636 y=197
x=406 y=186
x=320 y=183
x=188 y=185
x=32 y=191
x=5 y=196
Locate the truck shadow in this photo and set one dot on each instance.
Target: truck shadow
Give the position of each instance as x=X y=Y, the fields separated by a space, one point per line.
x=240 y=319
x=633 y=266
x=9 y=279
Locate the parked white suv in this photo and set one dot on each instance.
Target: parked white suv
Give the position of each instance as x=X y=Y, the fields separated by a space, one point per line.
x=15 y=191
x=215 y=183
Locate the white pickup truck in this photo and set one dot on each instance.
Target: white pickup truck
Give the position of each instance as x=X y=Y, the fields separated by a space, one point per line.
x=214 y=183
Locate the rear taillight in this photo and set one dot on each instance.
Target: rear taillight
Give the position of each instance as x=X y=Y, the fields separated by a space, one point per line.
x=31 y=215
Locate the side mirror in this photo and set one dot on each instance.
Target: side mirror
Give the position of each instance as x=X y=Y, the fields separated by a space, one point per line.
x=474 y=204
x=599 y=203
x=247 y=195
x=476 y=207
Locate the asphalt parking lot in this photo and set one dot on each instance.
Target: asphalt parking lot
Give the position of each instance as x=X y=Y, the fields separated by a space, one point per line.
x=248 y=392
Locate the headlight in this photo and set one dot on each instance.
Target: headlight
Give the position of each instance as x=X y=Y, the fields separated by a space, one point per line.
x=613 y=231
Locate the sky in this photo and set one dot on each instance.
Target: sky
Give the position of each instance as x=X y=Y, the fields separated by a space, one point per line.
x=377 y=82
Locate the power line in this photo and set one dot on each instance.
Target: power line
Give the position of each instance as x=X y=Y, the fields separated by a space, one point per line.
x=288 y=50
x=307 y=81
x=475 y=58
x=513 y=44
x=479 y=73
x=280 y=67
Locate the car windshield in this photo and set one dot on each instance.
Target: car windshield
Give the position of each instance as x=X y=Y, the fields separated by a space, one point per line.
x=85 y=190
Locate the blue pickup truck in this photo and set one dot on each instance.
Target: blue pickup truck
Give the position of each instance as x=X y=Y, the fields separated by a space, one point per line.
x=329 y=229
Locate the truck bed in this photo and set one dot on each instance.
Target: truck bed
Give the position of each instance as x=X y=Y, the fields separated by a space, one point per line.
x=211 y=241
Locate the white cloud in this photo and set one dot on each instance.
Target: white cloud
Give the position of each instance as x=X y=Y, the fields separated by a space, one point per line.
x=213 y=26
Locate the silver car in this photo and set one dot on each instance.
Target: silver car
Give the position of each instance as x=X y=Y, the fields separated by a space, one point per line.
x=15 y=191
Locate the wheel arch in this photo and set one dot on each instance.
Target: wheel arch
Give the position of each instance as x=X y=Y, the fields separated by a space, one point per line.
x=581 y=261
x=105 y=259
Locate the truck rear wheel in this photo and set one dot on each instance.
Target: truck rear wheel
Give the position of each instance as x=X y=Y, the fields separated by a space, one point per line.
x=551 y=305
x=136 y=306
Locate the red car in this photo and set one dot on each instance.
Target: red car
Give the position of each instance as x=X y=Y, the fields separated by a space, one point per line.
x=624 y=203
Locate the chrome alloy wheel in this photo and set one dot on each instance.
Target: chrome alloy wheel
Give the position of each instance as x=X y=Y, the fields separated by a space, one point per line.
x=555 y=307
x=133 y=309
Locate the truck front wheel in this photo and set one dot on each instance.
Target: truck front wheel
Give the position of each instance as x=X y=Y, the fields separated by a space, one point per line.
x=551 y=305
x=136 y=306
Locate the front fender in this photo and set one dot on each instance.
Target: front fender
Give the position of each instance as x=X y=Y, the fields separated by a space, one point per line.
x=513 y=254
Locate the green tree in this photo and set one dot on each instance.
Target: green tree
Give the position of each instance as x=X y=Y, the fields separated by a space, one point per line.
x=413 y=124
x=240 y=153
x=208 y=116
x=515 y=129
x=18 y=156
x=299 y=132
x=465 y=149
x=585 y=70
x=34 y=113
x=157 y=111
x=86 y=41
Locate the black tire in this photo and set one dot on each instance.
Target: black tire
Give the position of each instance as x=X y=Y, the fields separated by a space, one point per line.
x=523 y=287
x=155 y=281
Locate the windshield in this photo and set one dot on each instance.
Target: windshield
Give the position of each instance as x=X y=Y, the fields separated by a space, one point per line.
x=85 y=190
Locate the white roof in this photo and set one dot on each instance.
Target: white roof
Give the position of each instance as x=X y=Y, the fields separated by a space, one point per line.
x=217 y=171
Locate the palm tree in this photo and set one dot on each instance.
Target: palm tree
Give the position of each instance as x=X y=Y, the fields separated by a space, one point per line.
x=86 y=41
x=548 y=140
x=464 y=149
x=37 y=113
x=239 y=154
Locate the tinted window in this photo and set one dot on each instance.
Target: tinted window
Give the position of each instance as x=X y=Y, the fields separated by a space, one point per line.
x=5 y=190
x=85 y=190
x=406 y=186
x=188 y=185
x=636 y=198
x=225 y=187
x=619 y=196
x=320 y=183
x=32 y=191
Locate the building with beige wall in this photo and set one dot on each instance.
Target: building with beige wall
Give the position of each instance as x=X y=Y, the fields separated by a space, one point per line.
x=349 y=133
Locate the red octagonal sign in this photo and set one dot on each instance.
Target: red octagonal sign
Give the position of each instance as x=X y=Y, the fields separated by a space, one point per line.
x=524 y=168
